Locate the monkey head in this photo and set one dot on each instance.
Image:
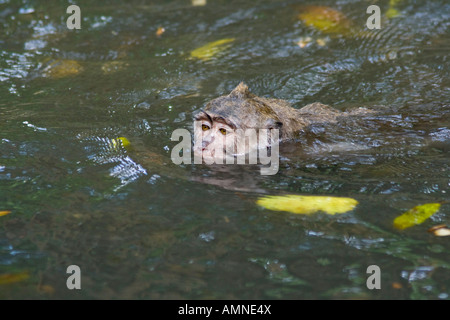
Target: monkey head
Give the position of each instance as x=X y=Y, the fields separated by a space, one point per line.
x=224 y=122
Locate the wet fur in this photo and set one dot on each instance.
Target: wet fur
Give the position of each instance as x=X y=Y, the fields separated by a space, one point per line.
x=243 y=110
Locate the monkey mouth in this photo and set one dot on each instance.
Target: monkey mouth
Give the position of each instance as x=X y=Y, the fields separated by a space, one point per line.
x=204 y=152
x=209 y=155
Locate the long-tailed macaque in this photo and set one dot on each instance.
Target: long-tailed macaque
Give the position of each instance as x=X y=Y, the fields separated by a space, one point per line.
x=218 y=123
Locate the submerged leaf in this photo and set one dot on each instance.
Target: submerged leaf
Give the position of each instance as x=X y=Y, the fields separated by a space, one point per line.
x=45 y=288
x=63 y=68
x=113 y=66
x=325 y=19
x=304 y=41
x=321 y=42
x=307 y=204
x=7 y=278
x=392 y=12
x=395 y=2
x=416 y=215
x=210 y=49
x=4 y=213
x=197 y=3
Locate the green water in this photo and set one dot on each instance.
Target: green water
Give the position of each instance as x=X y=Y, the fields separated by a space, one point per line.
x=141 y=227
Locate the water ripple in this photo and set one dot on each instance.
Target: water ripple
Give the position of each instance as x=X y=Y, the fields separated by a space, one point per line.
x=106 y=151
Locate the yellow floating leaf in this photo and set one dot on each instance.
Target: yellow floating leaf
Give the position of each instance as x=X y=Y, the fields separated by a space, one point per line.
x=4 y=213
x=8 y=278
x=210 y=49
x=115 y=143
x=416 y=215
x=62 y=68
x=125 y=142
x=307 y=204
x=325 y=19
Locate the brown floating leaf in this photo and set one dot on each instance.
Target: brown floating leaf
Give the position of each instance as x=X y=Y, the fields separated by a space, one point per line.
x=8 y=278
x=45 y=288
x=4 y=213
x=440 y=230
x=397 y=285
x=160 y=31
x=436 y=227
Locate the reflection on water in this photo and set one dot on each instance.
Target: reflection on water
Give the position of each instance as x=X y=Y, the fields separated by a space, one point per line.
x=141 y=227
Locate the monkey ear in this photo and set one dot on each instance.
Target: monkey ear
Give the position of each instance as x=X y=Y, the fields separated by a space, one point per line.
x=273 y=124
x=241 y=91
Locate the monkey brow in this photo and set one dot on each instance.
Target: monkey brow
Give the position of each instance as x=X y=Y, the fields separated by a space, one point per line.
x=214 y=118
x=202 y=115
x=224 y=121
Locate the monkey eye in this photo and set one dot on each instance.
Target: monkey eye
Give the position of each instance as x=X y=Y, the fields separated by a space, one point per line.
x=205 y=127
x=223 y=131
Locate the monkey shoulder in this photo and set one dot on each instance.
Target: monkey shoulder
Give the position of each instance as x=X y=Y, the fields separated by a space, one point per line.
x=319 y=112
x=282 y=108
x=318 y=108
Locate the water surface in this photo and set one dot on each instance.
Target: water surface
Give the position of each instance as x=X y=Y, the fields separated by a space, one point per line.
x=141 y=227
